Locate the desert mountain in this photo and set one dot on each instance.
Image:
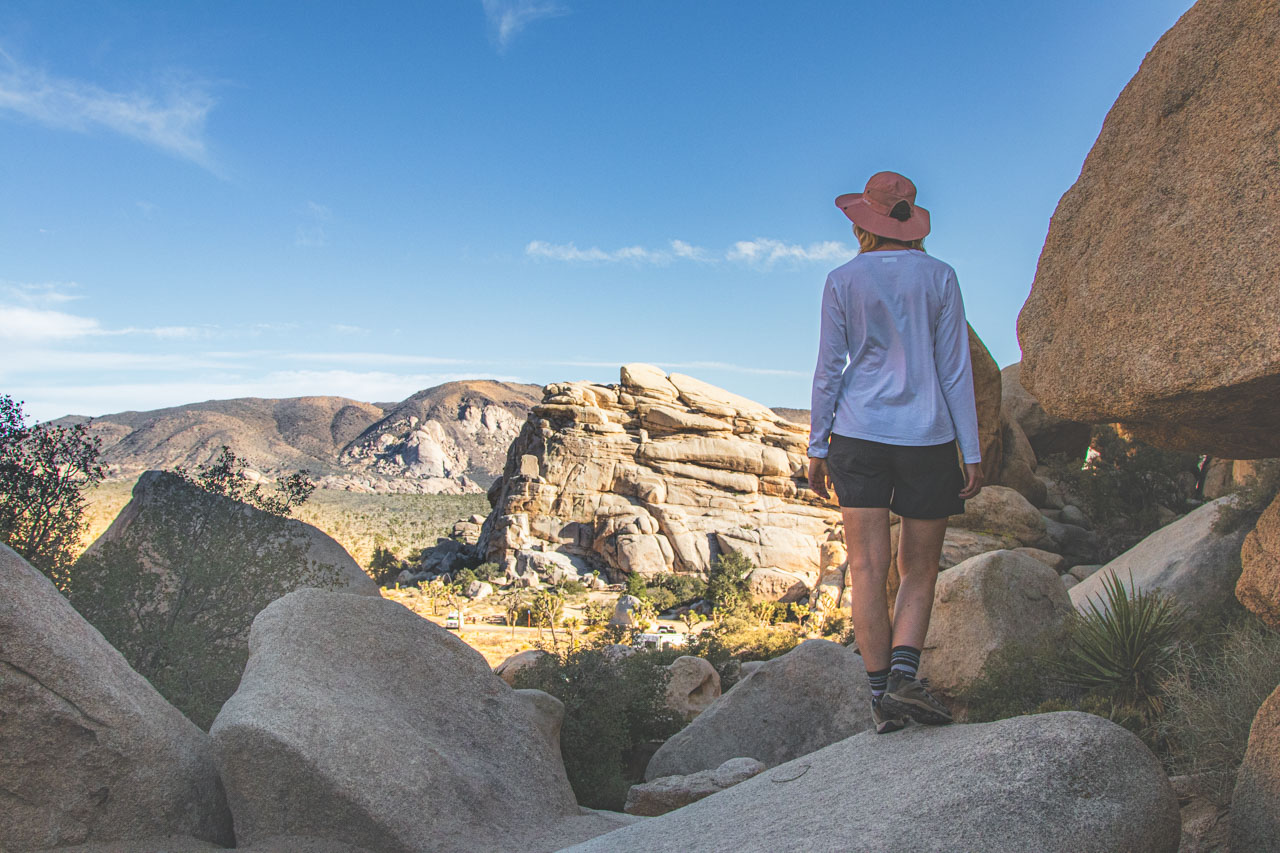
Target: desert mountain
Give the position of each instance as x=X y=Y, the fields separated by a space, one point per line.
x=450 y=438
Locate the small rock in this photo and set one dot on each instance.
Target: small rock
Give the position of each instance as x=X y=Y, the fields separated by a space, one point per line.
x=669 y=793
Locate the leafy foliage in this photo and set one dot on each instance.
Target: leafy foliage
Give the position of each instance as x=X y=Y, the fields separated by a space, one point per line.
x=611 y=706
x=44 y=472
x=226 y=476
x=727 y=587
x=1123 y=483
x=384 y=566
x=1119 y=650
x=178 y=602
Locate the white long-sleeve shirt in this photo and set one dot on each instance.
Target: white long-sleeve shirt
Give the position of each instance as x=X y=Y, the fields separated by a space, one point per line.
x=893 y=355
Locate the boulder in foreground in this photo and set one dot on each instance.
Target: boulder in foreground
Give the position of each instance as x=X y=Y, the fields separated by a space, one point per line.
x=1133 y=317
x=984 y=604
x=797 y=703
x=358 y=721
x=1053 y=783
x=1187 y=560
x=1255 y=805
x=89 y=751
x=1259 y=586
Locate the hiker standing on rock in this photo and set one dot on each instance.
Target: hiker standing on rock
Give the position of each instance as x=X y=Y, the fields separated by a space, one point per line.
x=892 y=393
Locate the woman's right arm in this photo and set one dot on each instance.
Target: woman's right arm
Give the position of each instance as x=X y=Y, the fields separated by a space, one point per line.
x=833 y=351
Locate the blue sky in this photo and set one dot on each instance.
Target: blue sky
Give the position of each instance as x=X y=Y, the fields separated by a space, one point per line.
x=214 y=199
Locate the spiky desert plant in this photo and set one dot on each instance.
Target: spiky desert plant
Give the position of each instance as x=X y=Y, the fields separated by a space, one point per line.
x=1121 y=646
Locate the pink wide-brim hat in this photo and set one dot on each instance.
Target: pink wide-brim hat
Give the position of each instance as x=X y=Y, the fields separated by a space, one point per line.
x=870 y=209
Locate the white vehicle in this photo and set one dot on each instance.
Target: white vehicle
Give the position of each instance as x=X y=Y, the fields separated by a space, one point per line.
x=658 y=640
x=453 y=620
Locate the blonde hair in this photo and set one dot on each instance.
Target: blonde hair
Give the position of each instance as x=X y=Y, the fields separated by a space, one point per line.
x=869 y=242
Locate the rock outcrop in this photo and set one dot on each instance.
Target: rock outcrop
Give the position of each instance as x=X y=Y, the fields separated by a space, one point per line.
x=1255 y=805
x=1002 y=512
x=1047 y=435
x=650 y=799
x=694 y=684
x=1053 y=783
x=657 y=474
x=359 y=722
x=1259 y=586
x=1186 y=560
x=453 y=433
x=1132 y=317
x=160 y=497
x=983 y=605
x=814 y=695
x=89 y=751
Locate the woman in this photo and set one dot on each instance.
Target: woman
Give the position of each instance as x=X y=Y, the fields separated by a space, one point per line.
x=892 y=393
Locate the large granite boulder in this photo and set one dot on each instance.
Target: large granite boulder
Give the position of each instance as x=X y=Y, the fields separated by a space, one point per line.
x=984 y=604
x=1137 y=315
x=1187 y=560
x=986 y=393
x=146 y=517
x=359 y=722
x=1018 y=463
x=1255 y=805
x=1045 y=434
x=694 y=684
x=1053 y=783
x=1259 y=586
x=650 y=799
x=1002 y=512
x=89 y=751
x=799 y=702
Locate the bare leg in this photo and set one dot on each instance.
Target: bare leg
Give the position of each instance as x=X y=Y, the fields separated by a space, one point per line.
x=866 y=535
x=919 y=548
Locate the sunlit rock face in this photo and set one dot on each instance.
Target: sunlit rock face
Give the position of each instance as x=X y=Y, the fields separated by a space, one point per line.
x=1155 y=303
x=659 y=473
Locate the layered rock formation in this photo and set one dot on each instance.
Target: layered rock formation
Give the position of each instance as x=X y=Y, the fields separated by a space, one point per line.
x=1155 y=301
x=658 y=474
x=89 y=751
x=1053 y=783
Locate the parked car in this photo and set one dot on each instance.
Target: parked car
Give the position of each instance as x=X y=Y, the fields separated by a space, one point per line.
x=453 y=620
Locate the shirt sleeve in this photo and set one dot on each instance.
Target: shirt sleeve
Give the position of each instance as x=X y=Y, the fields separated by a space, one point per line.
x=833 y=352
x=955 y=371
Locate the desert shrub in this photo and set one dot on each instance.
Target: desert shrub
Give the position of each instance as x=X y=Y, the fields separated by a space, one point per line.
x=384 y=566
x=571 y=587
x=736 y=639
x=226 y=476
x=463 y=577
x=836 y=626
x=636 y=585
x=1123 y=483
x=662 y=599
x=684 y=588
x=727 y=587
x=487 y=571
x=1020 y=678
x=595 y=613
x=1212 y=691
x=611 y=706
x=44 y=472
x=1118 y=649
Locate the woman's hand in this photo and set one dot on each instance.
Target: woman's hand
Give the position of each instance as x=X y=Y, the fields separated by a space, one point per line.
x=972 y=480
x=818 y=476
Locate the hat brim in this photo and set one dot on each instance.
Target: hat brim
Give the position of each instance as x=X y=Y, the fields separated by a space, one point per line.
x=860 y=213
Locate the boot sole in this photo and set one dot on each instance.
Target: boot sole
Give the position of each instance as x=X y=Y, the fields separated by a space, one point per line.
x=915 y=709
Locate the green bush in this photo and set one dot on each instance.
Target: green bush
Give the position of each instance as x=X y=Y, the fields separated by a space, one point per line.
x=571 y=587
x=636 y=585
x=1212 y=691
x=384 y=566
x=1122 y=485
x=464 y=577
x=1119 y=648
x=487 y=571
x=727 y=587
x=611 y=706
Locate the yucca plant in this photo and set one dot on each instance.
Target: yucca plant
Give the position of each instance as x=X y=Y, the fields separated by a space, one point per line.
x=1120 y=650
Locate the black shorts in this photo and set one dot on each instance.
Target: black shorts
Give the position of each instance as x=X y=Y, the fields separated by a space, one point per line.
x=914 y=482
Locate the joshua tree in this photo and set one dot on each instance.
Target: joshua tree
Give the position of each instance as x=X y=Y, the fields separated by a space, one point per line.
x=801 y=612
x=512 y=602
x=690 y=618
x=573 y=623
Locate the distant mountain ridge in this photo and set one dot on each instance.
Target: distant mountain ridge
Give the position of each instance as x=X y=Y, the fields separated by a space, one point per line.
x=451 y=438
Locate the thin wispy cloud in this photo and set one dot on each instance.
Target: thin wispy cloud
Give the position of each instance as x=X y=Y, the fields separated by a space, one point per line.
x=507 y=18
x=760 y=252
x=40 y=294
x=171 y=119
x=312 y=234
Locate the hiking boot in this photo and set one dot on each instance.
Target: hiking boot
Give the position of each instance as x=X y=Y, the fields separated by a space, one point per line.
x=885 y=723
x=910 y=697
